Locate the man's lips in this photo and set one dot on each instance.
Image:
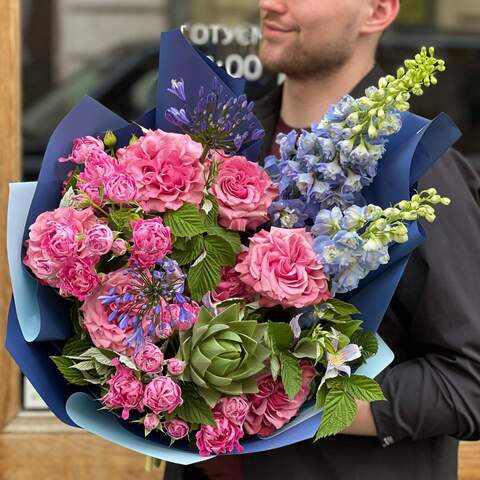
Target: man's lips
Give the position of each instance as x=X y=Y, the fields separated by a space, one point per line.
x=273 y=28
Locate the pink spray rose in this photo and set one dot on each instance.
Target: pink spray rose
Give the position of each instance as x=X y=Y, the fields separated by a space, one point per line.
x=234 y=408
x=119 y=247
x=166 y=169
x=99 y=167
x=231 y=286
x=54 y=237
x=149 y=359
x=282 y=267
x=103 y=332
x=82 y=148
x=222 y=438
x=151 y=422
x=125 y=390
x=151 y=242
x=244 y=193
x=78 y=278
x=176 y=429
x=99 y=239
x=121 y=188
x=270 y=408
x=175 y=366
x=162 y=394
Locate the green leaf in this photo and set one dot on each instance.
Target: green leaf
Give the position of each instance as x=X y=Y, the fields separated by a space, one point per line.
x=307 y=348
x=321 y=396
x=274 y=366
x=121 y=220
x=191 y=249
x=280 y=336
x=187 y=221
x=71 y=375
x=368 y=341
x=76 y=346
x=291 y=374
x=99 y=356
x=338 y=413
x=221 y=248
x=233 y=238
x=210 y=208
x=194 y=408
x=342 y=308
x=349 y=328
x=203 y=276
x=364 y=388
x=84 y=366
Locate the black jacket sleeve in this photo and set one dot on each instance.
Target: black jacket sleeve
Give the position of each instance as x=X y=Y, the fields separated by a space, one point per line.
x=434 y=387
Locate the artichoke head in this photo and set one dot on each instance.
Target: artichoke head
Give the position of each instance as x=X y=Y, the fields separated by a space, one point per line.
x=224 y=354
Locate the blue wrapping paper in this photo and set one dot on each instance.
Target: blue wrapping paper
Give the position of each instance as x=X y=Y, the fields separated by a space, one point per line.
x=39 y=321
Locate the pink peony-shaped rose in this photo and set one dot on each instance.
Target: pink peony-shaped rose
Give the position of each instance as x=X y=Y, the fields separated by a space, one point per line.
x=99 y=239
x=125 y=390
x=234 y=408
x=175 y=366
x=282 y=267
x=121 y=188
x=149 y=358
x=231 y=286
x=244 y=193
x=166 y=169
x=151 y=242
x=103 y=332
x=83 y=147
x=54 y=237
x=176 y=429
x=270 y=408
x=222 y=438
x=151 y=422
x=77 y=278
x=162 y=394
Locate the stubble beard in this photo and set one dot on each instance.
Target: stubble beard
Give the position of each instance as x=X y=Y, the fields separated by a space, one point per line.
x=299 y=61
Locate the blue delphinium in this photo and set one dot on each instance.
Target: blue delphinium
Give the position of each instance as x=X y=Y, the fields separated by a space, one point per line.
x=217 y=121
x=332 y=163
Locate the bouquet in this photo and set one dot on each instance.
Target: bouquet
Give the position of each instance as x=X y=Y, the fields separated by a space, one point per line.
x=177 y=289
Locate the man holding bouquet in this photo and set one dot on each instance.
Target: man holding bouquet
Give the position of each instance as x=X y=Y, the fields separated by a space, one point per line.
x=327 y=49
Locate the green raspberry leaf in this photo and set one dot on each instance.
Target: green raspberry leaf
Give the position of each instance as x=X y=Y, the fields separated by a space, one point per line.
x=187 y=221
x=291 y=374
x=221 y=248
x=203 y=276
x=194 y=408
x=71 y=375
x=187 y=250
x=364 y=388
x=233 y=238
x=338 y=413
x=280 y=336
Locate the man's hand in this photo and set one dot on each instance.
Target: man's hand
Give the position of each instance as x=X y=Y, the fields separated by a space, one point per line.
x=363 y=423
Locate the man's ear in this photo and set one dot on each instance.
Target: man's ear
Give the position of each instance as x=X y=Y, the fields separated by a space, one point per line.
x=381 y=15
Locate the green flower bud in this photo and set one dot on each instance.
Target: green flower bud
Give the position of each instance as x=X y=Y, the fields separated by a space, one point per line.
x=109 y=140
x=133 y=139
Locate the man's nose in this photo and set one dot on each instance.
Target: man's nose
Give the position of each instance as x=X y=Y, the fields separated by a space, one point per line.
x=277 y=6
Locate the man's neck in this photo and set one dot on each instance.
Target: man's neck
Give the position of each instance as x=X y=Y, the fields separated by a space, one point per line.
x=305 y=100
